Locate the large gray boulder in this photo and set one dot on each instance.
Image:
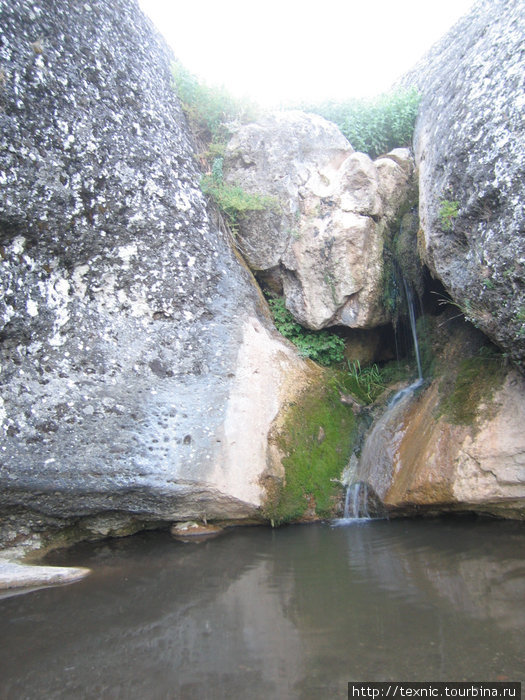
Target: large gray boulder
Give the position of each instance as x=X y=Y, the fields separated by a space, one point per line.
x=323 y=241
x=470 y=150
x=140 y=375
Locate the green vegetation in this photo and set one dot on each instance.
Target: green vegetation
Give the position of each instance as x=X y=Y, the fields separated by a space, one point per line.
x=232 y=200
x=316 y=441
x=367 y=383
x=448 y=211
x=209 y=109
x=322 y=346
x=476 y=380
x=374 y=126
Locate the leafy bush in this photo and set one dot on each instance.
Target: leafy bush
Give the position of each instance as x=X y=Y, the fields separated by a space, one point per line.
x=322 y=346
x=374 y=126
x=209 y=108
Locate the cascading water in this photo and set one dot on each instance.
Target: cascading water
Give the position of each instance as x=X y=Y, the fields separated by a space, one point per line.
x=356 y=497
x=356 y=501
x=412 y=318
x=381 y=445
x=356 y=504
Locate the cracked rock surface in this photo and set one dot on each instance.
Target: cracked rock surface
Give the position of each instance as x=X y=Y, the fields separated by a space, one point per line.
x=323 y=241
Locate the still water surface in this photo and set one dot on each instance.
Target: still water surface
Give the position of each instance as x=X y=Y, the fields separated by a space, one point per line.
x=289 y=613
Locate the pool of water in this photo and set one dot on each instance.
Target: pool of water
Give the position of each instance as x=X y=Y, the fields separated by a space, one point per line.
x=260 y=613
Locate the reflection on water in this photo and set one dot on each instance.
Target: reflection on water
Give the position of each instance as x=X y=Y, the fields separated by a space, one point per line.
x=256 y=613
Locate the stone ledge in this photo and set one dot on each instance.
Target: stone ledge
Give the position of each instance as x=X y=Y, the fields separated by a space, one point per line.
x=16 y=575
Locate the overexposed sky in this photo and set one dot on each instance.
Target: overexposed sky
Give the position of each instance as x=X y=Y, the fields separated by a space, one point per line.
x=280 y=51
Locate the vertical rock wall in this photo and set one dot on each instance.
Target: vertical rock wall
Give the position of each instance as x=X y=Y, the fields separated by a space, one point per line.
x=127 y=324
x=470 y=150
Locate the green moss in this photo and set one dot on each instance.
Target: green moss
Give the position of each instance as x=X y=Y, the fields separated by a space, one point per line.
x=391 y=284
x=316 y=441
x=429 y=338
x=406 y=249
x=474 y=384
x=448 y=212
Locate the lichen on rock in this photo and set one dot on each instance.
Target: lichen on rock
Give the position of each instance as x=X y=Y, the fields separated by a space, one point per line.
x=125 y=316
x=469 y=147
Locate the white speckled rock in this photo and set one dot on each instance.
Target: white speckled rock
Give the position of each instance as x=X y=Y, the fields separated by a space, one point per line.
x=470 y=149
x=325 y=242
x=131 y=382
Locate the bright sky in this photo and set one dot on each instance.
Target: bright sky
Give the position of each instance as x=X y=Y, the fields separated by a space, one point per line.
x=279 y=51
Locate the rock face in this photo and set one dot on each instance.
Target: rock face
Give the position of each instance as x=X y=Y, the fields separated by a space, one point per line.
x=416 y=463
x=470 y=150
x=140 y=376
x=323 y=244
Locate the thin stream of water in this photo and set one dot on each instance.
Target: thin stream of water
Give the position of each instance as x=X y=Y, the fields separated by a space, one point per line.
x=412 y=318
x=356 y=499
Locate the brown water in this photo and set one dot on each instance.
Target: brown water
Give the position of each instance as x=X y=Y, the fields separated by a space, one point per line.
x=290 y=613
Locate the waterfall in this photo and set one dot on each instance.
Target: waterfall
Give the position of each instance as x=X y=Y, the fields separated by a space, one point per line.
x=356 y=504
x=381 y=445
x=412 y=318
x=356 y=501
x=356 y=496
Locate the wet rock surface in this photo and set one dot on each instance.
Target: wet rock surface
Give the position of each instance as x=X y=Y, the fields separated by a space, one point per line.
x=419 y=461
x=470 y=145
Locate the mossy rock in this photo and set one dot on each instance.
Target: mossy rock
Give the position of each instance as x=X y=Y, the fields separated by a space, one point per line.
x=316 y=441
x=468 y=366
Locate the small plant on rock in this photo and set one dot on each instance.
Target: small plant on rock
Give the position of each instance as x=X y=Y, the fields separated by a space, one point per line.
x=369 y=380
x=448 y=211
x=232 y=200
x=322 y=346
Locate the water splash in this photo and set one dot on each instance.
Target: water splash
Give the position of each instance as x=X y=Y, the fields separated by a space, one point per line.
x=356 y=501
x=396 y=398
x=356 y=505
